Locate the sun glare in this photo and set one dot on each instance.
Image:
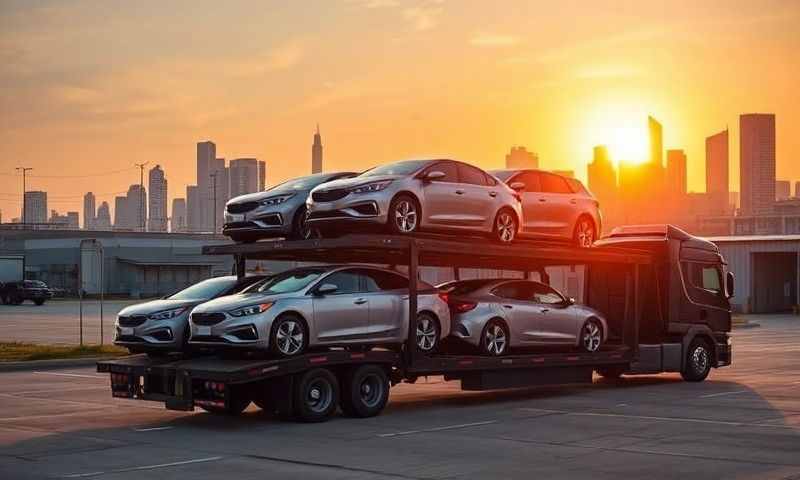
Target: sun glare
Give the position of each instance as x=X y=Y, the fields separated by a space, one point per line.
x=622 y=127
x=628 y=144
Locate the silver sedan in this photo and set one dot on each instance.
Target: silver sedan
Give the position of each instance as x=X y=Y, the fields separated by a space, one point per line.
x=321 y=306
x=495 y=315
x=417 y=195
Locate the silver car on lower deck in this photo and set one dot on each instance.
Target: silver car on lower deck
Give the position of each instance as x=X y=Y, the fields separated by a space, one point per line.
x=321 y=306
x=497 y=314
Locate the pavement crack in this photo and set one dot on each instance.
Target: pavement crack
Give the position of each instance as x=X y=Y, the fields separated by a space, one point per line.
x=334 y=466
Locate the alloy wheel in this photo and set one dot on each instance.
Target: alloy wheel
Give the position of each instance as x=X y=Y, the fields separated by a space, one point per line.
x=405 y=216
x=592 y=337
x=496 y=340
x=506 y=227
x=426 y=334
x=289 y=337
x=584 y=234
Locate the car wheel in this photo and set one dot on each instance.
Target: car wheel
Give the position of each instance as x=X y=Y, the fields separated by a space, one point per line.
x=404 y=215
x=301 y=230
x=365 y=391
x=505 y=226
x=585 y=233
x=39 y=302
x=316 y=395
x=495 y=338
x=698 y=361
x=427 y=332
x=591 y=336
x=289 y=336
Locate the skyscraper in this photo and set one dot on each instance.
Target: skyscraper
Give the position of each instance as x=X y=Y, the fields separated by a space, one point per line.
x=136 y=208
x=262 y=175
x=783 y=189
x=157 y=200
x=244 y=175
x=717 y=189
x=656 y=141
x=206 y=160
x=121 y=213
x=194 y=216
x=88 y=211
x=757 y=163
x=601 y=175
x=102 y=221
x=316 y=153
x=35 y=207
x=178 y=219
x=219 y=194
x=519 y=158
x=676 y=174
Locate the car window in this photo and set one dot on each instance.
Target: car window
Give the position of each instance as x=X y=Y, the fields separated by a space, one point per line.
x=448 y=168
x=577 y=186
x=553 y=183
x=346 y=281
x=530 y=180
x=290 y=281
x=471 y=175
x=249 y=284
x=205 y=290
x=545 y=294
x=378 y=281
x=406 y=167
x=465 y=287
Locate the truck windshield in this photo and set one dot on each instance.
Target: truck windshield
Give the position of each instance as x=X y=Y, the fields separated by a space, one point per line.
x=291 y=281
x=205 y=290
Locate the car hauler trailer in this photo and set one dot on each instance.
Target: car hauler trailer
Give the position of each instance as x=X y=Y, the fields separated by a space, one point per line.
x=309 y=387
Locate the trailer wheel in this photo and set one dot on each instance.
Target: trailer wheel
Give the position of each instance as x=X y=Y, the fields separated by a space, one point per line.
x=316 y=395
x=698 y=361
x=365 y=391
x=611 y=372
x=238 y=402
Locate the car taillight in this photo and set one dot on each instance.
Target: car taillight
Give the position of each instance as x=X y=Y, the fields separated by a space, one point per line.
x=458 y=306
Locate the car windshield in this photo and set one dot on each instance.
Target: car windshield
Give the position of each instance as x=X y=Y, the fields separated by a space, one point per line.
x=291 y=281
x=34 y=284
x=465 y=287
x=302 y=183
x=502 y=175
x=398 y=168
x=205 y=290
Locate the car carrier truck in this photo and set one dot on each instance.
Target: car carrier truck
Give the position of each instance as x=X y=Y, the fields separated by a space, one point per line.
x=664 y=294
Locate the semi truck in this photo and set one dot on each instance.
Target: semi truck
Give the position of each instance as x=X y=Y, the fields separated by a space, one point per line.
x=664 y=294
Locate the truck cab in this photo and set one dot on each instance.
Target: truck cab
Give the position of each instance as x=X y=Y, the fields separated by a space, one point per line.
x=685 y=317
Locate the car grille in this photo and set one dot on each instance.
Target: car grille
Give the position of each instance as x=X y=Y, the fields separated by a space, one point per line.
x=329 y=195
x=241 y=207
x=207 y=318
x=234 y=225
x=327 y=214
x=132 y=320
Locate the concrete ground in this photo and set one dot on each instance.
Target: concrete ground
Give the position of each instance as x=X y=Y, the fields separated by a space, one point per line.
x=743 y=422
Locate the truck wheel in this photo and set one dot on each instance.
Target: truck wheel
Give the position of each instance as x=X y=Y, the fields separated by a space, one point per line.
x=39 y=302
x=365 y=391
x=316 y=395
x=698 y=361
x=237 y=403
x=611 y=372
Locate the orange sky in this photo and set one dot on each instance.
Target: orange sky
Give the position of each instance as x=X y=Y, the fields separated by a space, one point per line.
x=98 y=86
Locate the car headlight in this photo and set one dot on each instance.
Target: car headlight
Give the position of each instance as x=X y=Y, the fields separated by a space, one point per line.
x=277 y=200
x=250 y=310
x=371 y=187
x=167 y=314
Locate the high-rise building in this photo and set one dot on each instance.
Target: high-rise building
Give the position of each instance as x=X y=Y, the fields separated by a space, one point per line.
x=244 y=175
x=206 y=161
x=194 y=215
x=521 y=158
x=676 y=174
x=717 y=189
x=102 y=221
x=757 y=163
x=219 y=194
x=178 y=221
x=35 y=207
x=602 y=176
x=64 y=222
x=157 y=200
x=122 y=220
x=797 y=189
x=136 y=208
x=656 y=141
x=262 y=175
x=316 y=153
x=783 y=189
x=88 y=211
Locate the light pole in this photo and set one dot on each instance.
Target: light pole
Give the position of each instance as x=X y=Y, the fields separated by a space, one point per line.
x=24 y=170
x=141 y=192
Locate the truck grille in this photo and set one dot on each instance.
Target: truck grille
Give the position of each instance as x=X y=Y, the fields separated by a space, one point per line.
x=207 y=318
x=329 y=195
x=132 y=320
x=241 y=207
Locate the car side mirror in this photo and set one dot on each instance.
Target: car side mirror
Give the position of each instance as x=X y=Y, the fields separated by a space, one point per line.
x=326 y=289
x=517 y=186
x=729 y=284
x=434 y=175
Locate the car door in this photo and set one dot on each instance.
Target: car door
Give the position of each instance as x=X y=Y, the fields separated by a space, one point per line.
x=559 y=205
x=534 y=203
x=476 y=198
x=387 y=293
x=343 y=315
x=557 y=323
x=440 y=197
x=520 y=311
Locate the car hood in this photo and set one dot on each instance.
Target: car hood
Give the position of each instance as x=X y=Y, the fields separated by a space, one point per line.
x=354 y=182
x=154 y=306
x=258 y=196
x=239 y=300
x=585 y=311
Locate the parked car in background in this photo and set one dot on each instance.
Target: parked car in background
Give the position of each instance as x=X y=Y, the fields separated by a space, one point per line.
x=162 y=326
x=279 y=211
x=555 y=206
x=354 y=306
x=14 y=293
x=415 y=195
x=497 y=314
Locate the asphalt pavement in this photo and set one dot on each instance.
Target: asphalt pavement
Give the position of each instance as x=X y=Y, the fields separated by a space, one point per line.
x=743 y=422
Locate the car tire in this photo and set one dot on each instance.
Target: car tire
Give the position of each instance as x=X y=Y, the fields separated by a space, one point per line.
x=585 y=233
x=365 y=391
x=428 y=331
x=39 y=302
x=505 y=227
x=611 y=372
x=495 y=338
x=300 y=230
x=288 y=336
x=315 y=396
x=404 y=215
x=698 y=361
x=591 y=336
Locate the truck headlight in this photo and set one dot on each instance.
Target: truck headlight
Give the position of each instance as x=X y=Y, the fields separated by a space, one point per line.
x=250 y=310
x=371 y=187
x=166 y=314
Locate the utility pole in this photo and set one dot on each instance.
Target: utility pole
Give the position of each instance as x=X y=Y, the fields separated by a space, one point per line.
x=24 y=170
x=213 y=177
x=141 y=192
